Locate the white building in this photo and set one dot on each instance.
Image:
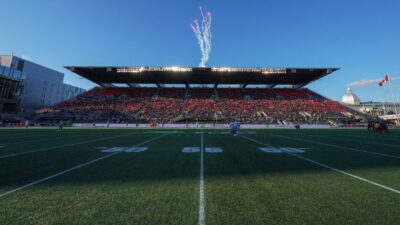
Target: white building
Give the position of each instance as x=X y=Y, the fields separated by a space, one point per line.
x=42 y=87
x=380 y=109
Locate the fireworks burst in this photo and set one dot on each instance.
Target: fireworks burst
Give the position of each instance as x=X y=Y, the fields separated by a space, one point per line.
x=203 y=35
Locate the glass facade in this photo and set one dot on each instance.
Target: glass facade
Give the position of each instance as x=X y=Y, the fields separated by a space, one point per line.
x=70 y=91
x=12 y=73
x=11 y=87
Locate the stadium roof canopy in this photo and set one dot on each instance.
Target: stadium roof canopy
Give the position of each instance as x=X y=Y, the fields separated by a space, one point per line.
x=133 y=76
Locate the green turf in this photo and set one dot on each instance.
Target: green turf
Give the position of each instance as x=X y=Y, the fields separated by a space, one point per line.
x=243 y=185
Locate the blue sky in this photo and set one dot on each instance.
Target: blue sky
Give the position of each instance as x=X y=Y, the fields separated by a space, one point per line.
x=360 y=37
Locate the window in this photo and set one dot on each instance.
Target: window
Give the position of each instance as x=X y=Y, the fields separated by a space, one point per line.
x=20 y=65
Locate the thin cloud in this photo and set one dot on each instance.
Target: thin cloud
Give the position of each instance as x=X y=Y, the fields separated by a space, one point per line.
x=371 y=82
x=26 y=57
x=364 y=83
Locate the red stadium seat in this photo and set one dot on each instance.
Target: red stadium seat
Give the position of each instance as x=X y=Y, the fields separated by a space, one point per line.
x=257 y=105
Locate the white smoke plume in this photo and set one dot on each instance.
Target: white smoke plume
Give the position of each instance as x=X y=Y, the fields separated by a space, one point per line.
x=364 y=83
x=203 y=35
x=369 y=83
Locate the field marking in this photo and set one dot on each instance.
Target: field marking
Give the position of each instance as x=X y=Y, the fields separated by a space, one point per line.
x=136 y=149
x=124 y=149
x=329 y=167
x=345 y=173
x=60 y=146
x=213 y=150
x=162 y=132
x=212 y=132
x=337 y=146
x=282 y=150
x=202 y=216
x=191 y=150
x=71 y=169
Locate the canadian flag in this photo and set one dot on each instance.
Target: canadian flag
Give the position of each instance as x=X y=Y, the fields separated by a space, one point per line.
x=384 y=81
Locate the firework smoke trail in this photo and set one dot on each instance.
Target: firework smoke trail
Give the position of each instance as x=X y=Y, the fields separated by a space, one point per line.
x=203 y=36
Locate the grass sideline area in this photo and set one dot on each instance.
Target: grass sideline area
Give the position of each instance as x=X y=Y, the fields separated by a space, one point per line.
x=196 y=176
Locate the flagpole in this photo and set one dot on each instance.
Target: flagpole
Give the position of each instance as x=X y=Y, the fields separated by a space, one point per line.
x=394 y=103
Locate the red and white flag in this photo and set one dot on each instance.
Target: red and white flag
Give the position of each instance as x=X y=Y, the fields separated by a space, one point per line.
x=384 y=81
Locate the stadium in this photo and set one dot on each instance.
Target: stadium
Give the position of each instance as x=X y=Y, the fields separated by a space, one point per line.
x=152 y=145
x=186 y=95
x=85 y=138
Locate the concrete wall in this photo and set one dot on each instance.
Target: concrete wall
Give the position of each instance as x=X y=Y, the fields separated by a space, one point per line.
x=5 y=60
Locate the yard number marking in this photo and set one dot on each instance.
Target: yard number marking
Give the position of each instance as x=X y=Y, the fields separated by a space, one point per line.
x=191 y=150
x=213 y=150
x=197 y=149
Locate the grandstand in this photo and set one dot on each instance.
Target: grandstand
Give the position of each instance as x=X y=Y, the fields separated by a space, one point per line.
x=200 y=95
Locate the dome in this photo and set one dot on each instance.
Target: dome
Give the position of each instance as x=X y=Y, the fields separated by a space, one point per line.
x=350 y=98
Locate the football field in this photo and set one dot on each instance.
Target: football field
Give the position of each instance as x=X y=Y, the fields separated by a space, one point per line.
x=161 y=176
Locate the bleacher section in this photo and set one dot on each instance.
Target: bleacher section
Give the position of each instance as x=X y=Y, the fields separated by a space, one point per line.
x=166 y=105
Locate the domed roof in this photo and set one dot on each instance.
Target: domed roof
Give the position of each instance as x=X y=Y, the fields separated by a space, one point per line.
x=351 y=98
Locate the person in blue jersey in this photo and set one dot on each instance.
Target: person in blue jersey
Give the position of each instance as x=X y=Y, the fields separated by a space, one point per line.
x=235 y=126
x=60 y=125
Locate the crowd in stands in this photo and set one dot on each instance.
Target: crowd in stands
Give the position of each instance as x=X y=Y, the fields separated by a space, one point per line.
x=174 y=105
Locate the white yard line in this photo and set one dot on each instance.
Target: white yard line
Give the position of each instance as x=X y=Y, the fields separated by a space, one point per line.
x=60 y=146
x=336 y=146
x=202 y=215
x=71 y=169
x=348 y=174
x=329 y=167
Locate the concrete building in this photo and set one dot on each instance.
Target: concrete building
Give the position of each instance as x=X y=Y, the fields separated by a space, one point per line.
x=42 y=87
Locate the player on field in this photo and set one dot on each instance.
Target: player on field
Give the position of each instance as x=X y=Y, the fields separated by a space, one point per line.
x=60 y=125
x=235 y=126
